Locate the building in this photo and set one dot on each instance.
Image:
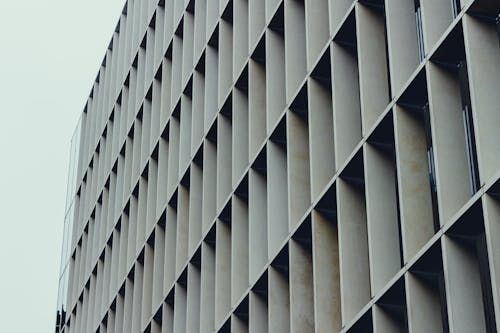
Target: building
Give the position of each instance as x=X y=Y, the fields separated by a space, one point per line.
x=289 y=165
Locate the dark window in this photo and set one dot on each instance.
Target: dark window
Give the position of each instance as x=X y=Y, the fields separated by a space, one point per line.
x=420 y=32
x=431 y=166
x=470 y=144
x=455 y=7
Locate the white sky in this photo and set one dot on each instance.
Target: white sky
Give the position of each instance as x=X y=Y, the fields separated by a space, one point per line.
x=50 y=51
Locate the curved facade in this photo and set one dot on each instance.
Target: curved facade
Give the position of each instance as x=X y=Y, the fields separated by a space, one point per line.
x=288 y=166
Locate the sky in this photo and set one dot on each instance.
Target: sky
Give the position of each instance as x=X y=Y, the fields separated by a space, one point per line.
x=50 y=51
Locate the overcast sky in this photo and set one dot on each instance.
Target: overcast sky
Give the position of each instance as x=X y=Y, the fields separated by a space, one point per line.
x=50 y=51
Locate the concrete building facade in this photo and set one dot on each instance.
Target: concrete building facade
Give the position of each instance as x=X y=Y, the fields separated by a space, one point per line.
x=288 y=166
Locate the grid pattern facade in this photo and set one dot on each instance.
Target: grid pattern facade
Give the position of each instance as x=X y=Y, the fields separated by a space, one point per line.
x=289 y=166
